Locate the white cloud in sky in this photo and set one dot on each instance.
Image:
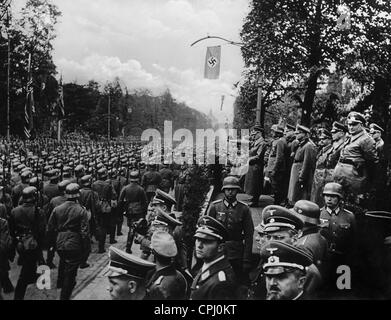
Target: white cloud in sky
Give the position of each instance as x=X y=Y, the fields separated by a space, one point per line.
x=147 y=44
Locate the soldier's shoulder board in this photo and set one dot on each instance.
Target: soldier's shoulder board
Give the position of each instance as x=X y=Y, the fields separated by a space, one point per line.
x=159 y=280
x=221 y=276
x=217 y=201
x=244 y=203
x=347 y=211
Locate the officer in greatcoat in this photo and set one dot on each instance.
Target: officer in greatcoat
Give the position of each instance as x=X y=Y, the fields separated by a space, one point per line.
x=303 y=167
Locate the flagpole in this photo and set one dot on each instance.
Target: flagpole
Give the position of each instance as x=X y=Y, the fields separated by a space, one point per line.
x=8 y=76
x=108 y=120
x=59 y=131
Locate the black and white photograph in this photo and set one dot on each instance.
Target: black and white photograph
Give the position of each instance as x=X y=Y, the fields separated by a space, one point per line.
x=195 y=150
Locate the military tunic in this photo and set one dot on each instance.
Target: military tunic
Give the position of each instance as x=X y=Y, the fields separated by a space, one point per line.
x=321 y=175
x=302 y=172
x=166 y=284
x=217 y=282
x=236 y=217
x=357 y=162
x=276 y=168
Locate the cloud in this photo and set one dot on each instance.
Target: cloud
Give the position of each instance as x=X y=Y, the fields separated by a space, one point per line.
x=147 y=44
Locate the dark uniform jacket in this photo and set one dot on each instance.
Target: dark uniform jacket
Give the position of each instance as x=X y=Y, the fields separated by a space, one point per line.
x=236 y=217
x=55 y=202
x=357 y=163
x=5 y=246
x=70 y=222
x=277 y=157
x=339 y=229
x=302 y=172
x=217 y=282
x=133 y=199
x=51 y=190
x=167 y=179
x=166 y=284
x=90 y=200
x=151 y=181
x=17 y=193
x=25 y=219
x=313 y=241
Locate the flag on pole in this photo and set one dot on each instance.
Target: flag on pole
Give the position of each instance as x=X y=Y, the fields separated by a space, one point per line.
x=60 y=102
x=29 y=107
x=212 y=62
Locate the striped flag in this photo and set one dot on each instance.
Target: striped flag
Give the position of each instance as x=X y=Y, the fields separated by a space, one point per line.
x=212 y=62
x=60 y=102
x=29 y=107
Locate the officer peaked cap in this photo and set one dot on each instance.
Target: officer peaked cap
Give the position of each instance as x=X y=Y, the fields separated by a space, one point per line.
x=165 y=218
x=376 y=127
x=164 y=198
x=163 y=244
x=280 y=255
x=302 y=129
x=276 y=218
x=211 y=229
x=122 y=263
x=337 y=126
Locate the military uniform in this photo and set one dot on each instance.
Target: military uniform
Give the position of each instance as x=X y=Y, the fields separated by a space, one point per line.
x=27 y=227
x=280 y=258
x=150 y=181
x=106 y=194
x=253 y=182
x=216 y=279
x=5 y=252
x=165 y=283
x=276 y=167
x=167 y=179
x=302 y=172
x=236 y=217
x=311 y=239
x=321 y=175
x=70 y=222
x=133 y=200
x=122 y=265
x=357 y=162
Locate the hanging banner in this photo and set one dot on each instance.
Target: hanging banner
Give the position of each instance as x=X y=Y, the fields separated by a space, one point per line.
x=212 y=62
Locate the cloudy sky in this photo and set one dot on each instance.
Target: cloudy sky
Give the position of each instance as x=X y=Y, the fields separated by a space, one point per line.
x=147 y=44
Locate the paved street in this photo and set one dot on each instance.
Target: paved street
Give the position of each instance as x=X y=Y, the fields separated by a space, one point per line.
x=92 y=282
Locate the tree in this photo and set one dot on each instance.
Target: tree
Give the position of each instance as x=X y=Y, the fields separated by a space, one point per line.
x=299 y=39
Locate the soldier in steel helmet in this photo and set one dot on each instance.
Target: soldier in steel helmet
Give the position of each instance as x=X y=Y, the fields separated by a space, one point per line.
x=338 y=227
x=236 y=217
x=69 y=222
x=27 y=227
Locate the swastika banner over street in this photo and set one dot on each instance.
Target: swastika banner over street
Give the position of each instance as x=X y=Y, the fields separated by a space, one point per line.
x=212 y=62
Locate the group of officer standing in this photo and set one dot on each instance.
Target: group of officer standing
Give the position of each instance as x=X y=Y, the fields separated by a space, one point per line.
x=324 y=227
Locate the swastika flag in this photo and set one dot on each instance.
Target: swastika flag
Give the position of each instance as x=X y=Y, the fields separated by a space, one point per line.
x=212 y=62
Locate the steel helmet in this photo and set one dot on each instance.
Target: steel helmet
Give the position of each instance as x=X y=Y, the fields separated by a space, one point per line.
x=333 y=188
x=231 y=183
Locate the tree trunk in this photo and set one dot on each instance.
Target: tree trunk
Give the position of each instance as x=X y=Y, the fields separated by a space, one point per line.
x=309 y=99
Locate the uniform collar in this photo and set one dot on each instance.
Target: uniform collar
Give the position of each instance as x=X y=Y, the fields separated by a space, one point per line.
x=336 y=210
x=228 y=204
x=206 y=266
x=298 y=296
